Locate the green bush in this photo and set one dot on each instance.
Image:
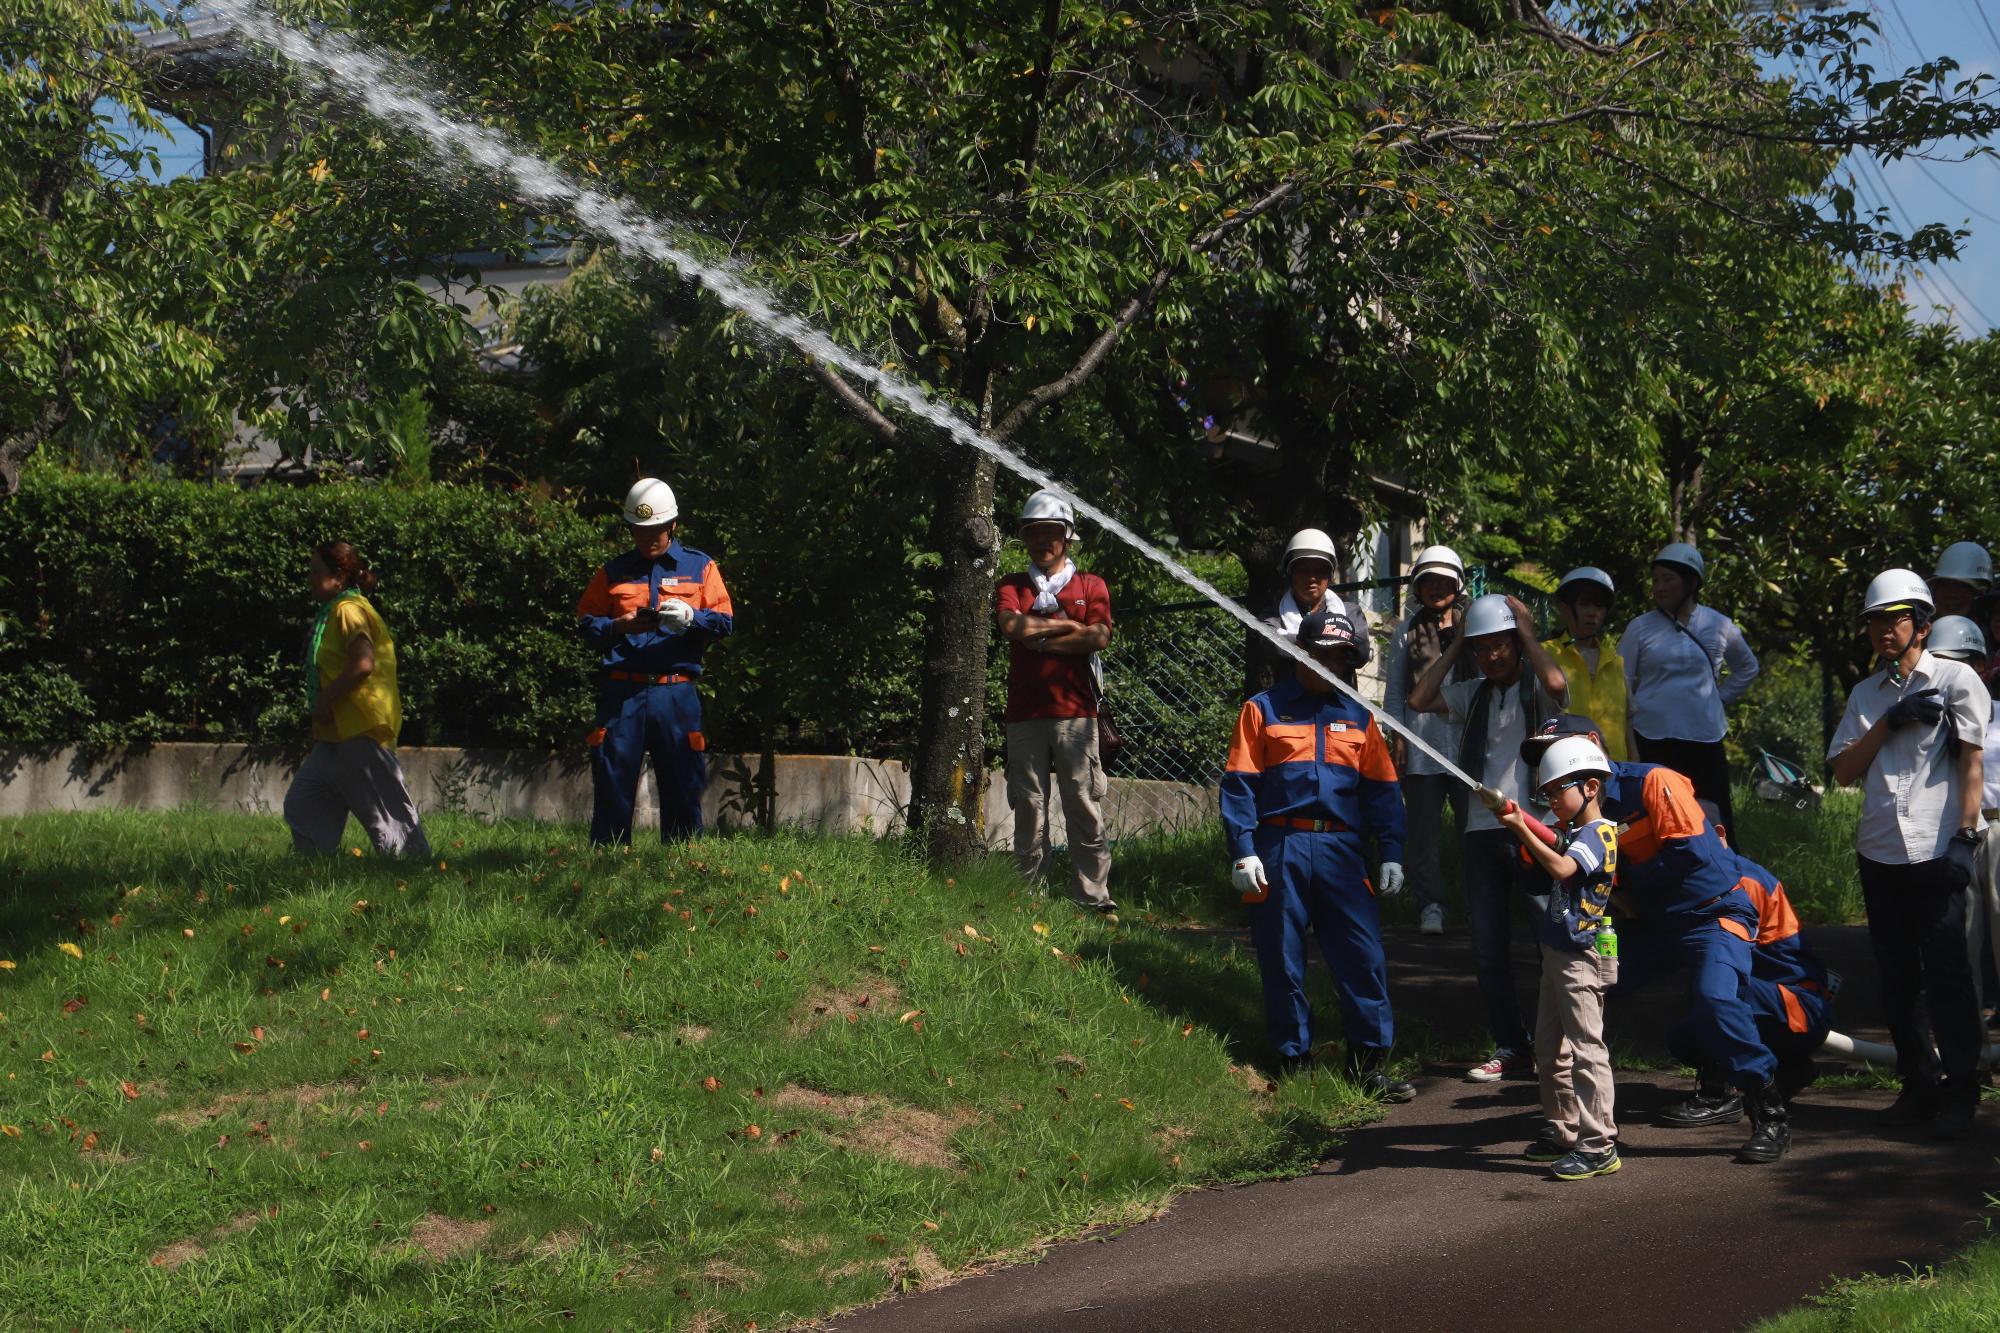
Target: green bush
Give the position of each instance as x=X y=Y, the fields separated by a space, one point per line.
x=160 y=610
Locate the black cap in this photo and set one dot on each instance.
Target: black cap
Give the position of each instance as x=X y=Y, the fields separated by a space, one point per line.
x=1553 y=730
x=1327 y=629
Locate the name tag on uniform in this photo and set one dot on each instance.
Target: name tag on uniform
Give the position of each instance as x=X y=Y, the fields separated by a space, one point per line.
x=1332 y=727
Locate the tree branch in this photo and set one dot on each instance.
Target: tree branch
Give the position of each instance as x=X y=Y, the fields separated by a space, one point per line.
x=856 y=402
x=1136 y=307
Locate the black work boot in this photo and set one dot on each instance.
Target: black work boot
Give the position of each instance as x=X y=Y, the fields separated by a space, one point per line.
x=1795 y=1076
x=1914 y=1105
x=1954 y=1118
x=1714 y=1103
x=1364 y=1066
x=1770 y=1127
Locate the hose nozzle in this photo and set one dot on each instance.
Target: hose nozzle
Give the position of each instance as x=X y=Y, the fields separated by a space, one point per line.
x=1495 y=799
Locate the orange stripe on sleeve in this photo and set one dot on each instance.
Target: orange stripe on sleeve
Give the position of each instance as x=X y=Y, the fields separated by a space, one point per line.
x=1247 y=746
x=596 y=599
x=1795 y=1013
x=1670 y=800
x=1775 y=918
x=1376 y=763
x=715 y=597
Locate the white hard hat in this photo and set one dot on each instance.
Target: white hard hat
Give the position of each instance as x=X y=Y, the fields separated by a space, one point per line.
x=1310 y=544
x=1587 y=574
x=1686 y=557
x=1897 y=590
x=1489 y=615
x=1956 y=634
x=1048 y=507
x=650 y=503
x=1570 y=756
x=1439 y=560
x=1967 y=562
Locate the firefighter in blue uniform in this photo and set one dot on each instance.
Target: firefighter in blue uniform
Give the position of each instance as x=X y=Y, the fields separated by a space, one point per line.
x=650 y=612
x=1689 y=906
x=1308 y=777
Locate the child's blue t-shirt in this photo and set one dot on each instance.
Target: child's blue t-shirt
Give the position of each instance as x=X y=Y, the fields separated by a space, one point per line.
x=1577 y=905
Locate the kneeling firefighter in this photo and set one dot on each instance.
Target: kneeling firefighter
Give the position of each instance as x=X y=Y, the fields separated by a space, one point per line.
x=1308 y=778
x=650 y=612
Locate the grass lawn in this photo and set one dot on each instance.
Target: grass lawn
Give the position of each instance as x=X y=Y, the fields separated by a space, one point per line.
x=1960 y=1296
x=755 y=1079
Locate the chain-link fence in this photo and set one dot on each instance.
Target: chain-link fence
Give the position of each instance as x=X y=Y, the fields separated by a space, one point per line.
x=1176 y=677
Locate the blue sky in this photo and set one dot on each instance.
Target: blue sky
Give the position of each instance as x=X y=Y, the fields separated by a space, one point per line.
x=1961 y=194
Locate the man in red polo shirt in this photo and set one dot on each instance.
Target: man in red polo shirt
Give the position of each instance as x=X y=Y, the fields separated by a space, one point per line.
x=1056 y=619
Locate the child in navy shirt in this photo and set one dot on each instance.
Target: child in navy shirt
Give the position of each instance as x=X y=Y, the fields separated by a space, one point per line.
x=1579 y=961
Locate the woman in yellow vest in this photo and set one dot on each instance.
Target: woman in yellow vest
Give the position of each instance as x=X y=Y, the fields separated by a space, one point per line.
x=357 y=714
x=1589 y=656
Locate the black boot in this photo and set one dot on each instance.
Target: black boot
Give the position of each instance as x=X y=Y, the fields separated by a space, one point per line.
x=1795 y=1076
x=1770 y=1127
x=1954 y=1117
x=1364 y=1066
x=1914 y=1105
x=1714 y=1103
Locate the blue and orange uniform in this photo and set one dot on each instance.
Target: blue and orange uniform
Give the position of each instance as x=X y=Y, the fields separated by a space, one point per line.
x=1688 y=889
x=1308 y=777
x=1789 y=992
x=646 y=698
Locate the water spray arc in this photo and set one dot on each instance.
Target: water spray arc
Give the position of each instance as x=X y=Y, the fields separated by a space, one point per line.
x=389 y=95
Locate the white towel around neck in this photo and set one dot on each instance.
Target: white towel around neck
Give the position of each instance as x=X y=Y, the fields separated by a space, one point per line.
x=1049 y=586
x=1291 y=617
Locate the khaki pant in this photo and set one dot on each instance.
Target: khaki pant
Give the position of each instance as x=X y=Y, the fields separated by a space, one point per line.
x=356 y=777
x=1063 y=749
x=1575 y=1063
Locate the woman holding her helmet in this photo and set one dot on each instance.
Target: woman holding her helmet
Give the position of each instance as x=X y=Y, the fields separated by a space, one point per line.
x=1685 y=666
x=1428 y=628
x=1517 y=687
x=1912 y=737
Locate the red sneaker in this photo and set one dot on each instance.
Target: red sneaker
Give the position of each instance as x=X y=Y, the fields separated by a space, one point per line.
x=1501 y=1065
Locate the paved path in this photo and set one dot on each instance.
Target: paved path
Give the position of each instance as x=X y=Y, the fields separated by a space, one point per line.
x=1428 y=1220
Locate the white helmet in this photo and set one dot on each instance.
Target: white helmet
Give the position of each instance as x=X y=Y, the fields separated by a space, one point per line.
x=1571 y=756
x=1310 y=544
x=1967 y=562
x=650 y=504
x=1439 y=560
x=1489 y=615
x=1956 y=634
x=1684 y=556
x=1587 y=574
x=1048 y=507
x=1897 y=590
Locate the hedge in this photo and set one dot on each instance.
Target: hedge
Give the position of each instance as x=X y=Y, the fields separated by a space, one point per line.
x=135 y=611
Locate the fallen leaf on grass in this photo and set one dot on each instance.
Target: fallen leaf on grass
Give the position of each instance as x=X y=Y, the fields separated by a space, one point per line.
x=364 y=1145
x=6 y=965
x=48 y=1057
x=72 y=950
x=712 y=1083
x=753 y=1131
x=971 y=931
x=1041 y=927
x=257 y=1034
x=1126 y=1102
x=130 y=1089
x=11 y=1131
x=914 y=1013
x=659 y=1154
x=89 y=1142
x=187 y=932
x=245 y=1046
x=1187 y=1029
x=71 y=1006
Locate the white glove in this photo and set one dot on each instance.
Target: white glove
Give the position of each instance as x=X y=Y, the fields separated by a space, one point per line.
x=1392 y=879
x=1248 y=876
x=675 y=615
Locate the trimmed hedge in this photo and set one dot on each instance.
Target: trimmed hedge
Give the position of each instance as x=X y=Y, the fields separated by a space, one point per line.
x=137 y=611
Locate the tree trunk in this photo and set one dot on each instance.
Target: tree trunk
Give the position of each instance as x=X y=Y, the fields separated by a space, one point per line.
x=948 y=774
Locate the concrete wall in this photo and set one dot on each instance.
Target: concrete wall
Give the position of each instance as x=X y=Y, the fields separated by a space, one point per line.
x=825 y=793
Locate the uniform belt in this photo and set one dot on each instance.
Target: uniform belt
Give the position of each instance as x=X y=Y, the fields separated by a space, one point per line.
x=1308 y=825
x=678 y=678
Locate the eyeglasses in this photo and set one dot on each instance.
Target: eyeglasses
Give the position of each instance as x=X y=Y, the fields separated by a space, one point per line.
x=1562 y=787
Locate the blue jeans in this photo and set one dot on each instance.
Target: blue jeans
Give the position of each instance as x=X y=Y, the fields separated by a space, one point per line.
x=1494 y=875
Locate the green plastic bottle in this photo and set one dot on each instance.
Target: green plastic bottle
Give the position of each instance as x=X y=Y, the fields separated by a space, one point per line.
x=1607 y=939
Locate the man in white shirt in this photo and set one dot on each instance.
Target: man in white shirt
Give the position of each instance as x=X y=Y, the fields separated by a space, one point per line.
x=1912 y=737
x=1685 y=666
x=1518 y=686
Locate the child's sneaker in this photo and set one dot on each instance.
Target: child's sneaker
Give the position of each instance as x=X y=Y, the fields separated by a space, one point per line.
x=1549 y=1146
x=1432 y=921
x=1501 y=1065
x=1583 y=1165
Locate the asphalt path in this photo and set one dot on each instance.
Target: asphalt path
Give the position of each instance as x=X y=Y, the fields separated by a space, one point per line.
x=1429 y=1219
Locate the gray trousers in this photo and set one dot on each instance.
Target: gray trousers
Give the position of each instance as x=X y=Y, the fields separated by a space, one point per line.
x=356 y=777
x=1063 y=749
x=1424 y=799
x=1982 y=919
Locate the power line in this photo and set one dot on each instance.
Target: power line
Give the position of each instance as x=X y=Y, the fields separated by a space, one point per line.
x=1939 y=280
x=1980 y=12
x=1975 y=210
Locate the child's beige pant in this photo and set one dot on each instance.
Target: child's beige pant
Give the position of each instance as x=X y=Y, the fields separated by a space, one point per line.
x=1575 y=1063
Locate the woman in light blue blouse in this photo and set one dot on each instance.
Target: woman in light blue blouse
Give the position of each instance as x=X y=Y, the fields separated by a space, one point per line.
x=1685 y=665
